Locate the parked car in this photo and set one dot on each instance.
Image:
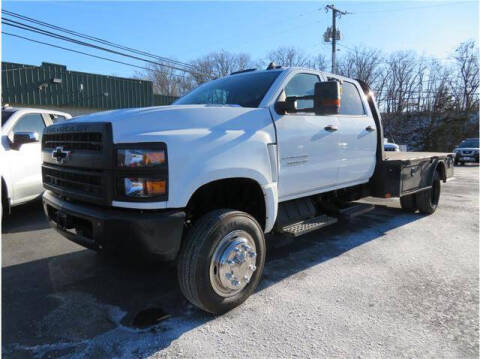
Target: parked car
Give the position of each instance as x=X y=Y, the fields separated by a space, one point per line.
x=20 y=153
x=391 y=147
x=203 y=180
x=467 y=151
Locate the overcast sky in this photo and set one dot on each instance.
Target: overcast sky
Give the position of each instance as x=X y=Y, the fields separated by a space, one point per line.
x=186 y=30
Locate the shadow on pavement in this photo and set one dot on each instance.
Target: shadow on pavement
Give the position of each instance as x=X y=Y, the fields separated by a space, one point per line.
x=81 y=302
x=26 y=217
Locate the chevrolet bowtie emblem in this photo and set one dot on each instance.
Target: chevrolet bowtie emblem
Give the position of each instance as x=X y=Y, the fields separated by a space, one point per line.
x=60 y=155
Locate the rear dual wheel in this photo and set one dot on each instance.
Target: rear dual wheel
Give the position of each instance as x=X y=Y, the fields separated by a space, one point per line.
x=409 y=203
x=425 y=201
x=222 y=260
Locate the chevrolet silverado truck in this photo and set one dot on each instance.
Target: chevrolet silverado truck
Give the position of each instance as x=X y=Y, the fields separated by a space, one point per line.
x=200 y=182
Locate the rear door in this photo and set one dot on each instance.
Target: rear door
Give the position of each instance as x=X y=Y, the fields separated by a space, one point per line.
x=357 y=137
x=307 y=144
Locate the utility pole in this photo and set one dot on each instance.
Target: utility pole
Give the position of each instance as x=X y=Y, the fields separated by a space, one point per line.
x=333 y=33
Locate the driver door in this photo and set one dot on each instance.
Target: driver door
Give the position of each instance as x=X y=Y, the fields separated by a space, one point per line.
x=307 y=144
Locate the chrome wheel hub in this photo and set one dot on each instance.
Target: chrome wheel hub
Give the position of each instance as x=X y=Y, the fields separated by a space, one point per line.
x=233 y=263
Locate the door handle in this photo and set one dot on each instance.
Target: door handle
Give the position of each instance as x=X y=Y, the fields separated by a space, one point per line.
x=331 y=128
x=370 y=129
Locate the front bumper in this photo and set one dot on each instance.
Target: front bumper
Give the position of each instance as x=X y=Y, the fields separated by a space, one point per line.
x=459 y=157
x=156 y=233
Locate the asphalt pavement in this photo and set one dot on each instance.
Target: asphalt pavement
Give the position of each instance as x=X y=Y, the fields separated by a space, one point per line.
x=387 y=285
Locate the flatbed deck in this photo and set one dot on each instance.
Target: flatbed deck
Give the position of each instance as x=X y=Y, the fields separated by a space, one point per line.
x=412 y=156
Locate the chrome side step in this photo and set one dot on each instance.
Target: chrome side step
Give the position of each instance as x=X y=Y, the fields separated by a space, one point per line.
x=308 y=225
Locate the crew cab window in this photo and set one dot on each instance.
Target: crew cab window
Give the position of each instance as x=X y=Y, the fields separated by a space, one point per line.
x=351 y=102
x=32 y=122
x=302 y=85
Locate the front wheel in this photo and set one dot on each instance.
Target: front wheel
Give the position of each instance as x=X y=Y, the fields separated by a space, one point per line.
x=222 y=260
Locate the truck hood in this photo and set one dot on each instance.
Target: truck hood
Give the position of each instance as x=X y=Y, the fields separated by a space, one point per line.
x=154 y=123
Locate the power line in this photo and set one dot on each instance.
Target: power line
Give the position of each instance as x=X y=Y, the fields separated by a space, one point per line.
x=34 y=29
x=96 y=39
x=411 y=8
x=78 y=52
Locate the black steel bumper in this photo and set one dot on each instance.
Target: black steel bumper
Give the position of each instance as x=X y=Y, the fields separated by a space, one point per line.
x=156 y=233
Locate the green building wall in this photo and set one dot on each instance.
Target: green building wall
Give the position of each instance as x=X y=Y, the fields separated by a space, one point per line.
x=53 y=86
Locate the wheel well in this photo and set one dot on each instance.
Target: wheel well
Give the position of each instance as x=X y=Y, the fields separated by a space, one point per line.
x=242 y=194
x=5 y=201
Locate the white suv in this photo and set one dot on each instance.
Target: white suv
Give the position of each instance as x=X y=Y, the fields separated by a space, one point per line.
x=20 y=155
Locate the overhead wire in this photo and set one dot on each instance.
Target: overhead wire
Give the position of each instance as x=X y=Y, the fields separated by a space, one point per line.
x=34 y=29
x=79 y=52
x=96 y=39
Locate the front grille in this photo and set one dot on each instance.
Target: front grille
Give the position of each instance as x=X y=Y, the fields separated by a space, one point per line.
x=88 y=141
x=467 y=152
x=85 y=182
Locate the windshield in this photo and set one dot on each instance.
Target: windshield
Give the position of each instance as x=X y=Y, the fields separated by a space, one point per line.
x=5 y=116
x=245 y=90
x=473 y=143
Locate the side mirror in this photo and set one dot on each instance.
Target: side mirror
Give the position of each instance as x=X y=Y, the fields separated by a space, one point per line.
x=20 y=138
x=326 y=100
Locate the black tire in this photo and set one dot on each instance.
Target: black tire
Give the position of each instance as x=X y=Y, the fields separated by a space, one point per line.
x=409 y=203
x=198 y=250
x=5 y=208
x=462 y=163
x=427 y=201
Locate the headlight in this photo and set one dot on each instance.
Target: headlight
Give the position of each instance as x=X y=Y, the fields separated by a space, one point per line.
x=144 y=187
x=141 y=172
x=140 y=158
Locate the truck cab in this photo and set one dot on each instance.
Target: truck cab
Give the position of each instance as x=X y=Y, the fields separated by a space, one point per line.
x=201 y=182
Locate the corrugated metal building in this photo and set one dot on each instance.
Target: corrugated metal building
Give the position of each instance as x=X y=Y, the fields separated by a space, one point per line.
x=53 y=86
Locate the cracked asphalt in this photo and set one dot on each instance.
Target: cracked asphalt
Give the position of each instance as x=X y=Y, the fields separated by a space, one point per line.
x=388 y=284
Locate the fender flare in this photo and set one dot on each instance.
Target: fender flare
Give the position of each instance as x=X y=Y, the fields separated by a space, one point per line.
x=442 y=169
x=270 y=198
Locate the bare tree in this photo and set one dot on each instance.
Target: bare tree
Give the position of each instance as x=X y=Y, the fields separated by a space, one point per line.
x=167 y=81
x=434 y=93
x=401 y=81
x=367 y=65
x=319 y=62
x=289 y=57
x=219 y=64
x=466 y=81
x=362 y=63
